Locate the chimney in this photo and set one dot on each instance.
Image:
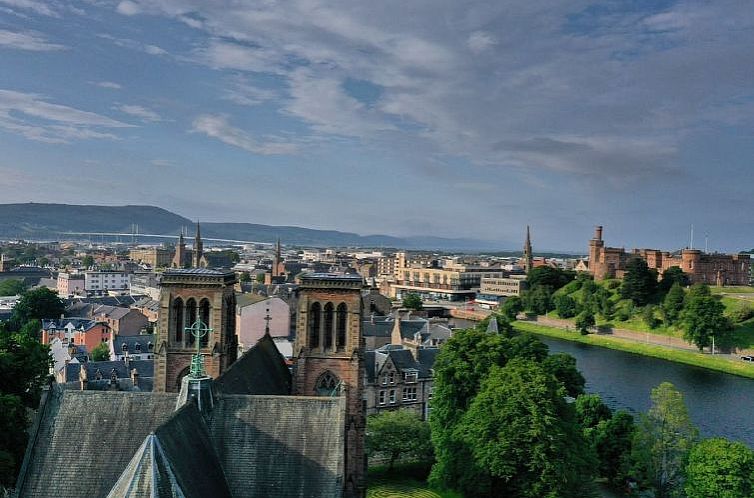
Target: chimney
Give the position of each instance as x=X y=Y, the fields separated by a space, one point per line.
x=113 y=380
x=135 y=378
x=598 y=232
x=83 y=377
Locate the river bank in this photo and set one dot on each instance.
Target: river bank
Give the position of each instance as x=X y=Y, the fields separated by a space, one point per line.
x=686 y=356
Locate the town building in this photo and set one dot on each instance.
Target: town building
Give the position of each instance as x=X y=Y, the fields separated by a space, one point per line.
x=495 y=289
x=80 y=331
x=257 y=315
x=145 y=284
x=154 y=257
x=122 y=321
x=102 y=282
x=699 y=267
x=70 y=284
x=132 y=348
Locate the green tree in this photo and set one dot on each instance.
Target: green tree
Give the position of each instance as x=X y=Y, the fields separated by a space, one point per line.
x=538 y=300
x=639 y=282
x=412 y=301
x=562 y=366
x=554 y=278
x=703 y=318
x=88 y=261
x=101 y=352
x=398 y=434
x=13 y=424
x=720 y=468
x=672 y=305
x=584 y=321
x=260 y=278
x=245 y=277
x=12 y=287
x=511 y=307
x=672 y=276
x=37 y=304
x=662 y=442
x=566 y=306
x=590 y=410
x=699 y=290
x=648 y=316
x=24 y=363
x=612 y=442
x=523 y=437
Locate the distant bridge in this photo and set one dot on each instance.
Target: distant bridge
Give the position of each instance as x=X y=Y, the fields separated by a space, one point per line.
x=135 y=235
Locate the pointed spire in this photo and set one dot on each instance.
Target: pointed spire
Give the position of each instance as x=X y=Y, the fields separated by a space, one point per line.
x=276 y=262
x=528 y=258
x=198 y=247
x=395 y=336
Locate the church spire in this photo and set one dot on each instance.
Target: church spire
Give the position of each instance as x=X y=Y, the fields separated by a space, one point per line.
x=198 y=247
x=528 y=258
x=276 y=262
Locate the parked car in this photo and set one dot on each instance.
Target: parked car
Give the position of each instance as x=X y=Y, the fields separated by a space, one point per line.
x=747 y=358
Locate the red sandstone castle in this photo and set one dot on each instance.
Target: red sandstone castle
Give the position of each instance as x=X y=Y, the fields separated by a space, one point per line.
x=700 y=267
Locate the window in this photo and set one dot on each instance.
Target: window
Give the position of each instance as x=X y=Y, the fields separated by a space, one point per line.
x=410 y=376
x=314 y=321
x=392 y=396
x=381 y=398
x=409 y=394
x=341 y=320
x=137 y=348
x=429 y=392
x=124 y=347
x=384 y=380
x=327 y=385
x=391 y=377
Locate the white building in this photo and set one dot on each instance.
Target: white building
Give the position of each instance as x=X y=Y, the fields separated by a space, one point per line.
x=103 y=282
x=251 y=313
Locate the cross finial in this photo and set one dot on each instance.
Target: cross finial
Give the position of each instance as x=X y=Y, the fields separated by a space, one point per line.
x=267 y=319
x=199 y=330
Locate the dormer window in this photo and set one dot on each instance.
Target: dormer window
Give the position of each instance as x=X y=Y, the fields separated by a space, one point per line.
x=150 y=346
x=125 y=348
x=391 y=377
x=137 y=348
x=410 y=376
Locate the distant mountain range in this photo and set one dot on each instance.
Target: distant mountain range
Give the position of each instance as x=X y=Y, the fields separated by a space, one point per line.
x=37 y=221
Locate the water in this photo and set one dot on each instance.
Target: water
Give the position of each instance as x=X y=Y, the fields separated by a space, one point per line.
x=719 y=404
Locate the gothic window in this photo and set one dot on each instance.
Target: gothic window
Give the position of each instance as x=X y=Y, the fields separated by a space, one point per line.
x=327 y=385
x=190 y=318
x=342 y=318
x=204 y=317
x=329 y=317
x=177 y=315
x=314 y=321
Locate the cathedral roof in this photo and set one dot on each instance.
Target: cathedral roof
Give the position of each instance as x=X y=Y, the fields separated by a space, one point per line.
x=260 y=370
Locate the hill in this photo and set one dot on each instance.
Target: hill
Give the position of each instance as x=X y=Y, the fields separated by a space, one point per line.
x=38 y=221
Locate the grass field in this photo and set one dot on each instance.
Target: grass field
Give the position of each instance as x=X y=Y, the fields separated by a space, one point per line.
x=402 y=487
x=722 y=364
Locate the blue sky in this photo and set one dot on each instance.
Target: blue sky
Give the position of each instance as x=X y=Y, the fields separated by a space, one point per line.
x=431 y=117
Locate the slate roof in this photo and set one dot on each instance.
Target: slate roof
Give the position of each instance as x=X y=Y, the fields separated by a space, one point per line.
x=131 y=341
x=86 y=438
x=260 y=370
x=382 y=326
x=249 y=298
x=78 y=323
x=280 y=446
x=402 y=358
x=144 y=367
x=426 y=358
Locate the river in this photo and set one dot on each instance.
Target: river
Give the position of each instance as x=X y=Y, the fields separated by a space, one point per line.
x=719 y=404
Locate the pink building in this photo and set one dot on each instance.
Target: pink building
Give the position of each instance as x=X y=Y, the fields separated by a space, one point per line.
x=251 y=311
x=70 y=285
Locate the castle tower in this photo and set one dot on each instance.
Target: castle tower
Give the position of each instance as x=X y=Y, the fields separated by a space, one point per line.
x=198 y=249
x=528 y=257
x=180 y=253
x=185 y=297
x=329 y=352
x=596 y=245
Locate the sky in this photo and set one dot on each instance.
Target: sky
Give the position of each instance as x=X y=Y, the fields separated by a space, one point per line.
x=427 y=117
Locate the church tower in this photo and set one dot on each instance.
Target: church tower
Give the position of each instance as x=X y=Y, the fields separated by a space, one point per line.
x=180 y=253
x=528 y=257
x=329 y=352
x=188 y=295
x=277 y=260
x=198 y=249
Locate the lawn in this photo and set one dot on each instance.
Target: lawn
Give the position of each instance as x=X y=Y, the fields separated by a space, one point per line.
x=403 y=487
x=719 y=363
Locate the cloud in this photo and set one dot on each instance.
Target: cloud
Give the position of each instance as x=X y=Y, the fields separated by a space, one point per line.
x=128 y=8
x=146 y=115
x=31 y=116
x=162 y=163
x=135 y=45
x=241 y=92
x=107 y=84
x=479 y=41
x=27 y=40
x=218 y=127
x=43 y=8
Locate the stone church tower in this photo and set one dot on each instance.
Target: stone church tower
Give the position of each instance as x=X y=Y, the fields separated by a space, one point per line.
x=196 y=259
x=329 y=352
x=185 y=296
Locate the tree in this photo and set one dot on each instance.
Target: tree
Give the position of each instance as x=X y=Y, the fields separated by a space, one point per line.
x=101 y=352
x=672 y=305
x=412 y=301
x=699 y=290
x=720 y=468
x=24 y=363
x=648 y=316
x=260 y=278
x=523 y=437
x=245 y=277
x=566 y=306
x=398 y=434
x=538 y=300
x=590 y=410
x=702 y=319
x=511 y=307
x=37 y=304
x=88 y=261
x=13 y=423
x=554 y=278
x=639 y=282
x=672 y=276
x=612 y=442
x=584 y=321
x=12 y=287
x=662 y=442
x=562 y=366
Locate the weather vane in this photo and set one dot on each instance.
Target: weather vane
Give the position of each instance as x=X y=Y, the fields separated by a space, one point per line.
x=199 y=330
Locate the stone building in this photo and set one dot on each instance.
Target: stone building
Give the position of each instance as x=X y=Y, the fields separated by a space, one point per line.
x=155 y=257
x=700 y=267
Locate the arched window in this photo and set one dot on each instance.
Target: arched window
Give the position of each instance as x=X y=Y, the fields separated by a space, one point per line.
x=190 y=318
x=341 y=323
x=137 y=347
x=329 y=318
x=327 y=385
x=204 y=316
x=124 y=347
x=177 y=315
x=314 y=320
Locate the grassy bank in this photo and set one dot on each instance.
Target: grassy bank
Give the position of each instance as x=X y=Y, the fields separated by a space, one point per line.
x=404 y=481
x=735 y=367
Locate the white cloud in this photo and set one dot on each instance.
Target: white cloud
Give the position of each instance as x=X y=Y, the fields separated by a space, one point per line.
x=146 y=115
x=27 y=40
x=134 y=45
x=479 y=41
x=128 y=8
x=241 y=92
x=107 y=84
x=43 y=8
x=31 y=116
x=218 y=127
